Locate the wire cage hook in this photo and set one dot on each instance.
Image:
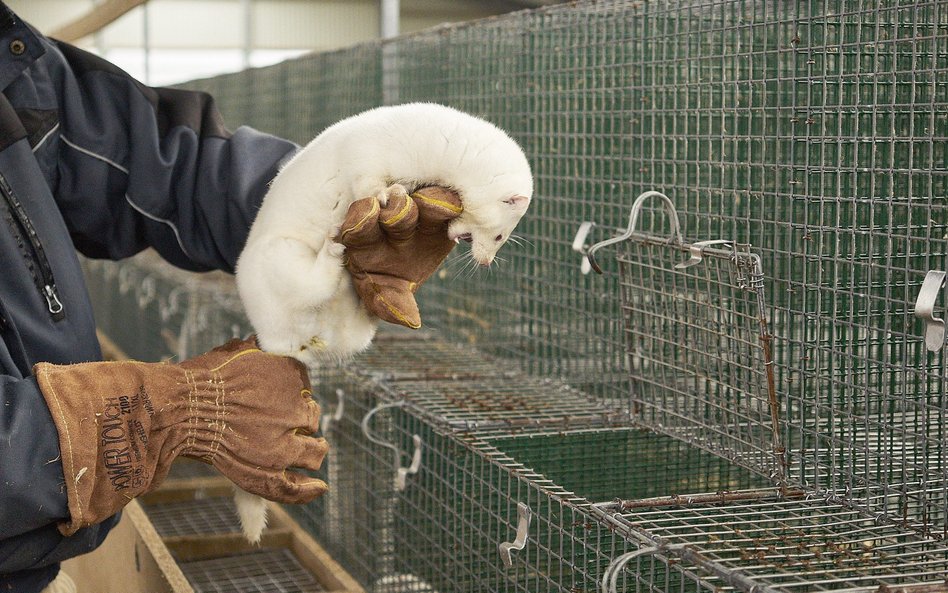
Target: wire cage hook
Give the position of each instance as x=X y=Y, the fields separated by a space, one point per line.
x=696 y=252
x=524 y=515
x=402 y=473
x=146 y=291
x=170 y=305
x=337 y=412
x=589 y=261
x=925 y=309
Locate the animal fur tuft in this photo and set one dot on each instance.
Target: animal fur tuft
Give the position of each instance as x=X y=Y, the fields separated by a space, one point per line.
x=252 y=511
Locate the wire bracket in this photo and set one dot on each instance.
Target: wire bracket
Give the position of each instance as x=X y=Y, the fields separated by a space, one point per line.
x=402 y=473
x=696 y=251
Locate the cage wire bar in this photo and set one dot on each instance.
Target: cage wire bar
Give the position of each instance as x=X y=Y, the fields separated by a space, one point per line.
x=442 y=530
x=700 y=521
x=813 y=131
x=698 y=337
x=811 y=138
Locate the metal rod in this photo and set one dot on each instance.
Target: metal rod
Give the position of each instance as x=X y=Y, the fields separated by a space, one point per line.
x=146 y=43
x=388 y=18
x=247 y=6
x=766 y=343
x=710 y=498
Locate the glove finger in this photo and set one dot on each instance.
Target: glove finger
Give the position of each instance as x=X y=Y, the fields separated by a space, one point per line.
x=312 y=418
x=397 y=305
x=399 y=217
x=437 y=204
x=277 y=485
x=312 y=451
x=360 y=226
x=302 y=488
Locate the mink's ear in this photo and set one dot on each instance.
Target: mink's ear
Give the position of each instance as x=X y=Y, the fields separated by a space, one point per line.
x=518 y=203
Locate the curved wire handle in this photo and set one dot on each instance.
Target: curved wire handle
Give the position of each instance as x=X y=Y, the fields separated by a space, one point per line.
x=610 y=579
x=125 y=278
x=637 y=205
x=401 y=474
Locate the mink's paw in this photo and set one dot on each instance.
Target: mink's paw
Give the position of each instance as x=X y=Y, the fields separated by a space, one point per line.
x=334 y=249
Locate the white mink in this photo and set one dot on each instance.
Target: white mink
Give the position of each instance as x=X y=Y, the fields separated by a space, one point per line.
x=290 y=274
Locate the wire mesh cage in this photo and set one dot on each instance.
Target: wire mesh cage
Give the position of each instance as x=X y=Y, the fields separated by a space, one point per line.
x=155 y=311
x=697 y=338
x=786 y=545
x=693 y=520
x=769 y=418
x=443 y=510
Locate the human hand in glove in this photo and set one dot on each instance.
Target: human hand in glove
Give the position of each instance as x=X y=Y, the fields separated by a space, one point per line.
x=391 y=250
x=121 y=424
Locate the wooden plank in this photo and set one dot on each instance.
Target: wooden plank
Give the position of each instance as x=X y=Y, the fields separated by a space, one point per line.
x=133 y=559
x=110 y=350
x=198 y=547
x=97 y=18
x=312 y=556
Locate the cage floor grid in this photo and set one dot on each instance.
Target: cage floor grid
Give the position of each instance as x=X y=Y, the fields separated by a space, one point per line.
x=515 y=404
x=397 y=356
x=800 y=545
x=466 y=390
x=263 y=571
x=201 y=516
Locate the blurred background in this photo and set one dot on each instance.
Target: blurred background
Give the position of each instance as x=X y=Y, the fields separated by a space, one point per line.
x=163 y=42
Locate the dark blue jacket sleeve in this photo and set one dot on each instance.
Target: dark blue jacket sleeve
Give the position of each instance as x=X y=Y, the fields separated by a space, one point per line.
x=143 y=166
x=30 y=467
x=31 y=473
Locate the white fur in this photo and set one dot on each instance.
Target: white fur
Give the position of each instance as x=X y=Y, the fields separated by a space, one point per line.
x=290 y=274
x=252 y=512
x=402 y=583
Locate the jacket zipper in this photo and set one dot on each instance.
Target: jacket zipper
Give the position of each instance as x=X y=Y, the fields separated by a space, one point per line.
x=45 y=282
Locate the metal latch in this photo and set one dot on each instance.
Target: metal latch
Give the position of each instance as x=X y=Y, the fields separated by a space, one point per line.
x=925 y=309
x=523 y=524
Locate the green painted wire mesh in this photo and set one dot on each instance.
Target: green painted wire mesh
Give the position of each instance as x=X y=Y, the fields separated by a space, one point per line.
x=814 y=131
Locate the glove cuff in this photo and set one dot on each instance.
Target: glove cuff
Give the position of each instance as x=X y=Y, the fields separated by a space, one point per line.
x=115 y=439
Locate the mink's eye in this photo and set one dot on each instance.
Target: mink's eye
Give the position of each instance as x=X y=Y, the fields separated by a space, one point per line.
x=498 y=237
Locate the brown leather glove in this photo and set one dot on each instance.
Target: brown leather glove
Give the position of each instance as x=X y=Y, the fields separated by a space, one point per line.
x=392 y=250
x=121 y=424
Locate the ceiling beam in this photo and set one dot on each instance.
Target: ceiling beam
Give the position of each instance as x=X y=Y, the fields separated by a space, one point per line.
x=98 y=17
